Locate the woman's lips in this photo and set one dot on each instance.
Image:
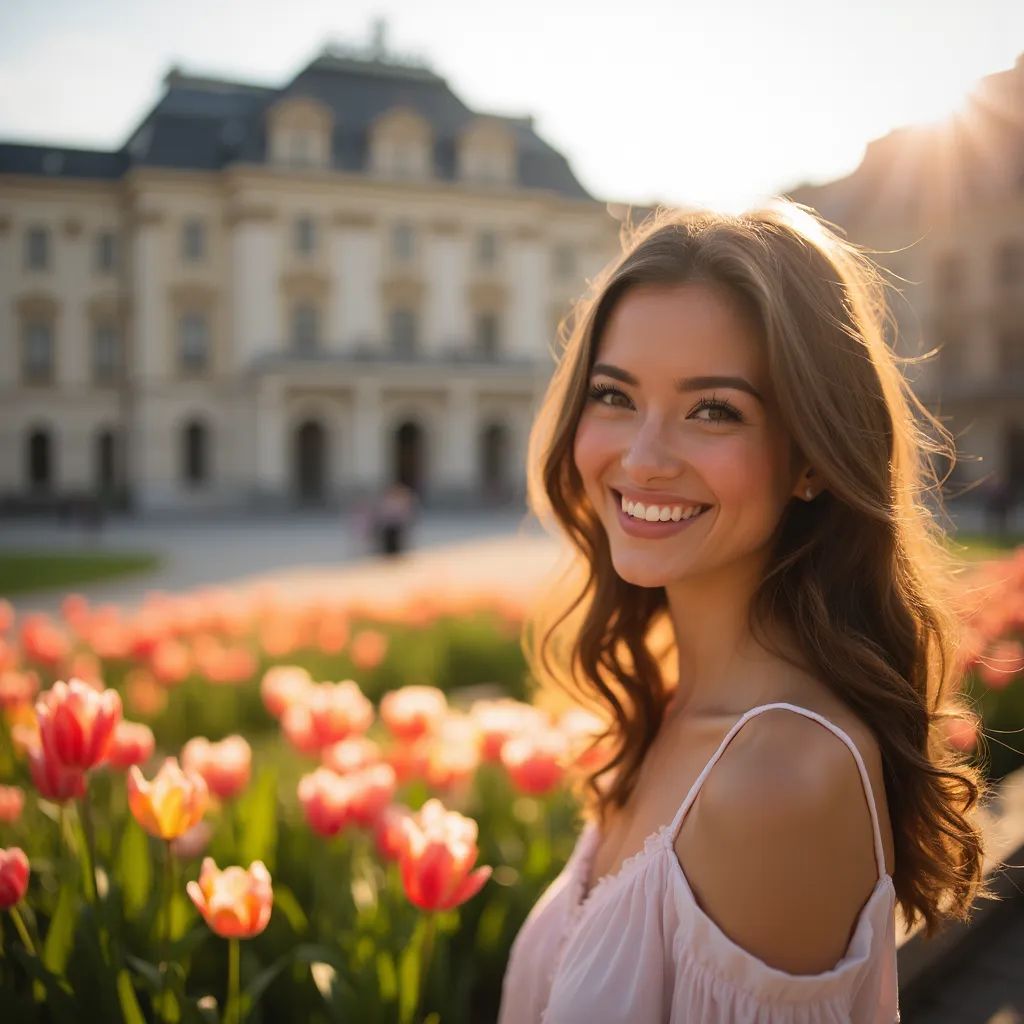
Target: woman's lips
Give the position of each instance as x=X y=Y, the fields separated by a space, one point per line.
x=642 y=528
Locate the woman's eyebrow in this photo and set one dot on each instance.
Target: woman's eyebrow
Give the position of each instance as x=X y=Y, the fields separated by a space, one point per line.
x=684 y=383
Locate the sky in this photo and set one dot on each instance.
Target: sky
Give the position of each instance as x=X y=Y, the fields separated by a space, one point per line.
x=719 y=103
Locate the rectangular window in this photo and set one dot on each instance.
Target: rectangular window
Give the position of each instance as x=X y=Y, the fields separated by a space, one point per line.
x=193 y=344
x=193 y=241
x=305 y=236
x=37 y=248
x=487 y=248
x=37 y=353
x=487 y=334
x=106 y=252
x=403 y=243
x=403 y=331
x=106 y=354
x=305 y=328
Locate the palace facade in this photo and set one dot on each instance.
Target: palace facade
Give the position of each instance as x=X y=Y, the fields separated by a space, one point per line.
x=272 y=296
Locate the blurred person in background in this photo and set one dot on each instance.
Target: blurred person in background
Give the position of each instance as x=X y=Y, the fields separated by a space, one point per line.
x=392 y=517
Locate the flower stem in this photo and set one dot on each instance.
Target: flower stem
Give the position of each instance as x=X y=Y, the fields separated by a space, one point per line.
x=19 y=924
x=233 y=1011
x=426 y=951
x=165 y=939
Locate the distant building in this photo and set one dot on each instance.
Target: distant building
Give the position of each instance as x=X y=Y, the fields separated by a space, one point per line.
x=280 y=295
x=949 y=200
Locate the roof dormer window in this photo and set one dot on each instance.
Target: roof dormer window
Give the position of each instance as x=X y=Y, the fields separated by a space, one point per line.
x=401 y=145
x=299 y=131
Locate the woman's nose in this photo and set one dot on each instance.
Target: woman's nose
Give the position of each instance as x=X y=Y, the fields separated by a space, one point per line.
x=649 y=454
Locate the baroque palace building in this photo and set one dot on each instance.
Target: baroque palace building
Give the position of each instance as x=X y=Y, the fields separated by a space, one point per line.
x=941 y=207
x=287 y=295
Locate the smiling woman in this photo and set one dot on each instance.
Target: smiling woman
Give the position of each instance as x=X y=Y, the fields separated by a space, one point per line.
x=731 y=448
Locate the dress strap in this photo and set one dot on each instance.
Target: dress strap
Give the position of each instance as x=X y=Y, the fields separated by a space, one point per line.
x=695 y=788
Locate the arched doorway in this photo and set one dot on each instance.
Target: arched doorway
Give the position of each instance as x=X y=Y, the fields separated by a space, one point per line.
x=408 y=455
x=494 y=458
x=105 y=467
x=39 y=460
x=310 y=462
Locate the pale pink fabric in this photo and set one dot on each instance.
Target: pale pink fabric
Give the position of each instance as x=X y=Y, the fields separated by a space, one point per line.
x=639 y=948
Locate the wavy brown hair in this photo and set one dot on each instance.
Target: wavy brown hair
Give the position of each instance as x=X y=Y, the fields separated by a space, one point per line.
x=875 y=615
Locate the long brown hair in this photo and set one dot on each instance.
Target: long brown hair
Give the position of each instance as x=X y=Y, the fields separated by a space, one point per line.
x=875 y=614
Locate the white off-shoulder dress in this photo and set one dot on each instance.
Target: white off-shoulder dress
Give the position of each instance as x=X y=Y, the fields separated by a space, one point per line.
x=638 y=948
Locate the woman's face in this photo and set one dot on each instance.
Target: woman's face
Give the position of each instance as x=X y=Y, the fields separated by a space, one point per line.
x=658 y=429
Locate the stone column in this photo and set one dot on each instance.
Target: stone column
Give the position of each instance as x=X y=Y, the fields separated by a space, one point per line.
x=369 y=446
x=446 y=313
x=528 y=325
x=272 y=478
x=458 y=471
x=354 y=313
x=256 y=319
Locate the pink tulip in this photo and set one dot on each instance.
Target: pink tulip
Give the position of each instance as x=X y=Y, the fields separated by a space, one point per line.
x=282 y=686
x=503 y=718
x=349 y=755
x=388 y=831
x=53 y=779
x=339 y=710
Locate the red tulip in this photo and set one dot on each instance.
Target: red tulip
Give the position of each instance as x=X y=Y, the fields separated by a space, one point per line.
x=339 y=710
x=349 y=755
x=503 y=718
x=12 y=802
x=413 y=711
x=55 y=780
x=225 y=766
x=133 y=744
x=536 y=761
x=76 y=723
x=437 y=858
x=236 y=903
x=388 y=831
x=14 y=872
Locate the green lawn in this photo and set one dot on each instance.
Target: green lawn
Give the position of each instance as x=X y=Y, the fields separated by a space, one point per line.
x=978 y=546
x=32 y=570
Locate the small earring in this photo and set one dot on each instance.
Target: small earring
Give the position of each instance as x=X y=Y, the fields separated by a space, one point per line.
x=809 y=493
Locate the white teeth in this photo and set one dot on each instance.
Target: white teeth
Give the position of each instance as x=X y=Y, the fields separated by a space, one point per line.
x=658 y=513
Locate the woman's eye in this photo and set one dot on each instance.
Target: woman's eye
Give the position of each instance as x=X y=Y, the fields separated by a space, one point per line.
x=717 y=405
x=598 y=391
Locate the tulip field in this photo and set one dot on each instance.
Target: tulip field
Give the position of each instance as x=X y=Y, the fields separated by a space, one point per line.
x=260 y=806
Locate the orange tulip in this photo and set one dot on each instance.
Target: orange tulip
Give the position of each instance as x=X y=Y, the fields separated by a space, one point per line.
x=12 y=802
x=536 y=761
x=235 y=903
x=14 y=872
x=437 y=858
x=76 y=723
x=133 y=744
x=413 y=711
x=226 y=766
x=171 y=804
x=17 y=687
x=368 y=648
